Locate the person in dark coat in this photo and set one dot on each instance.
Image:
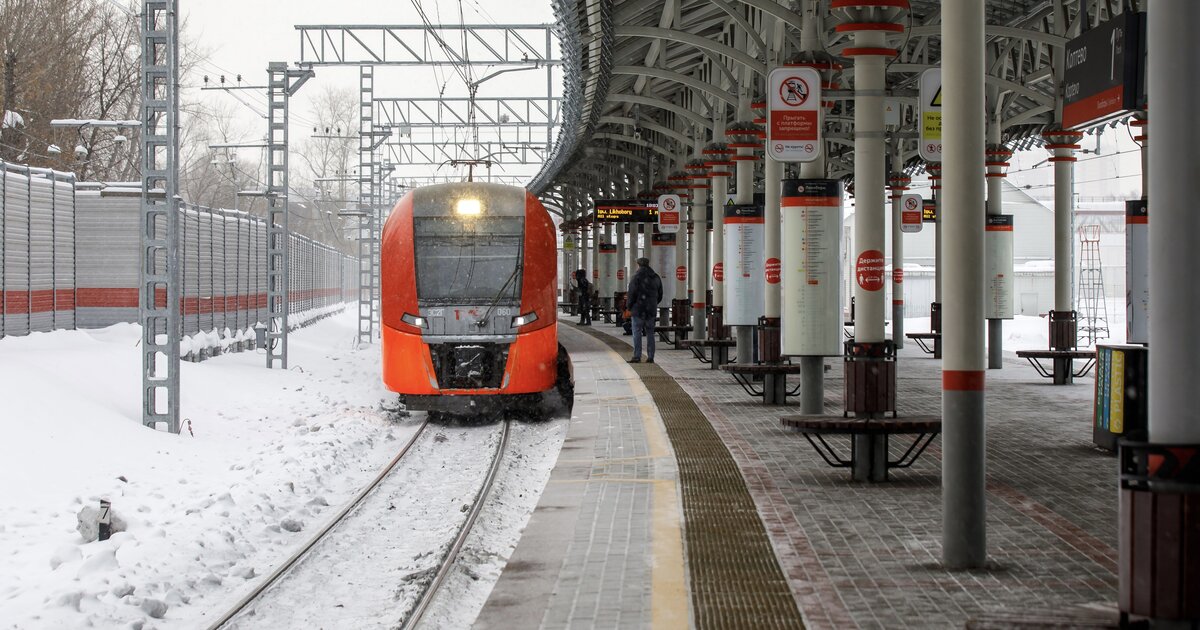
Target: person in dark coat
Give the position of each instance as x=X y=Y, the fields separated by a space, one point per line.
x=584 y=288
x=645 y=292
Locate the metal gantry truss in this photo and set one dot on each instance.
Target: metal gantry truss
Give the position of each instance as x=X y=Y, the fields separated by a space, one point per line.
x=281 y=85
x=158 y=291
x=515 y=124
x=428 y=45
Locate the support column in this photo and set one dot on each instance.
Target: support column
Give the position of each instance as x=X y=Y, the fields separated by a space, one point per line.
x=682 y=305
x=1137 y=290
x=964 y=522
x=743 y=138
x=698 y=224
x=1063 y=323
x=899 y=183
x=716 y=160
x=997 y=161
x=870 y=364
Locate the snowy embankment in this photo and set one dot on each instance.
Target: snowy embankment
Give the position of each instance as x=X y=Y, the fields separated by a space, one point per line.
x=266 y=457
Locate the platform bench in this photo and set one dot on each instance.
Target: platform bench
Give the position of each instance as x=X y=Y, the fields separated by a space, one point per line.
x=681 y=332
x=925 y=339
x=745 y=375
x=815 y=428
x=1035 y=358
x=697 y=347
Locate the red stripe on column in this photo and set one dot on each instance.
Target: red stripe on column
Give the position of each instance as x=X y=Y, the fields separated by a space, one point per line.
x=963 y=380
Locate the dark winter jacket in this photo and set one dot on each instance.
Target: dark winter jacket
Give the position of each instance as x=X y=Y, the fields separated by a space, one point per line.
x=584 y=287
x=645 y=292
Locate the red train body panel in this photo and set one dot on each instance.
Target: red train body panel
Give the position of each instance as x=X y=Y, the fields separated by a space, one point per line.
x=469 y=304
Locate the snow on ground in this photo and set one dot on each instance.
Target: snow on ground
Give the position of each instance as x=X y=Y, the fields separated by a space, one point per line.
x=272 y=452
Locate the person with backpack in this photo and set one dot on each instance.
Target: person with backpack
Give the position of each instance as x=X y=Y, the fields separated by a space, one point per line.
x=584 y=288
x=645 y=292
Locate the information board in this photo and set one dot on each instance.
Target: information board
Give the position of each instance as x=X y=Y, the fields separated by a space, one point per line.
x=794 y=114
x=1106 y=71
x=618 y=210
x=930 y=96
x=929 y=211
x=1137 y=272
x=606 y=281
x=662 y=261
x=811 y=267
x=745 y=258
x=998 y=261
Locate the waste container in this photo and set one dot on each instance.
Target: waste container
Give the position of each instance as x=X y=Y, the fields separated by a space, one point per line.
x=1120 y=402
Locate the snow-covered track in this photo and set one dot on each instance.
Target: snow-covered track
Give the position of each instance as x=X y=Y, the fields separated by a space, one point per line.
x=320 y=535
x=427 y=597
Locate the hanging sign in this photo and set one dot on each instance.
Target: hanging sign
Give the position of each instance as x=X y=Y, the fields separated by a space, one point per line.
x=998 y=247
x=929 y=211
x=662 y=259
x=811 y=270
x=794 y=114
x=930 y=96
x=1106 y=71
x=668 y=213
x=569 y=243
x=745 y=254
x=911 y=212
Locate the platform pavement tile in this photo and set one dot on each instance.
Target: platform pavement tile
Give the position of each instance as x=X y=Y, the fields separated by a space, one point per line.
x=1051 y=505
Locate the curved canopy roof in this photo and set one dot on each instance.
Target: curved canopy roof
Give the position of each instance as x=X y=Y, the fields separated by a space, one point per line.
x=644 y=79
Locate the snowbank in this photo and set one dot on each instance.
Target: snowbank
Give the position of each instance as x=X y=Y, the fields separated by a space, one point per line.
x=262 y=453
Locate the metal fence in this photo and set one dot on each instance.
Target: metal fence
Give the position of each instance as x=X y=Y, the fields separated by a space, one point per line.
x=70 y=258
x=37 y=250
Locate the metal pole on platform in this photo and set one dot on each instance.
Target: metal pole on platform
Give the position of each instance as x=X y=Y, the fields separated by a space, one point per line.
x=869 y=183
x=1175 y=230
x=996 y=161
x=698 y=224
x=899 y=184
x=812 y=368
x=964 y=523
x=717 y=160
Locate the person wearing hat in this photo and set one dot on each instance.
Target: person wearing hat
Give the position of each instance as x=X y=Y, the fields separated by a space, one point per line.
x=645 y=292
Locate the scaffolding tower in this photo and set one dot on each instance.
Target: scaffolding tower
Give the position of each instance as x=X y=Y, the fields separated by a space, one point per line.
x=1092 y=305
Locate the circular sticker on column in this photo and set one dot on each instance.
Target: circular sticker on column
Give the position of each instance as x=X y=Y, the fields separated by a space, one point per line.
x=773 y=267
x=620 y=274
x=719 y=272
x=897 y=276
x=681 y=273
x=596 y=274
x=869 y=270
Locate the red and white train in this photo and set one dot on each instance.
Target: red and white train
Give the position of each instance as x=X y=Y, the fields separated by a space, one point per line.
x=469 y=303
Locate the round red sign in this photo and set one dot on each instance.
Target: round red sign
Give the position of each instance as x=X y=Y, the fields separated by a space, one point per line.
x=681 y=273
x=719 y=272
x=595 y=274
x=869 y=270
x=620 y=274
x=897 y=276
x=773 y=267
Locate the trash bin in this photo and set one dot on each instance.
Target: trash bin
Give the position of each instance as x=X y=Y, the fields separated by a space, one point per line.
x=1120 y=403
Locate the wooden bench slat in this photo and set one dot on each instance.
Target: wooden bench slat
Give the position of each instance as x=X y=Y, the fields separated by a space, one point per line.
x=762 y=368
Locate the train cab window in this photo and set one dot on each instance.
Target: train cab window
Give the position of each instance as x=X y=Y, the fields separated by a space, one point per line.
x=469 y=260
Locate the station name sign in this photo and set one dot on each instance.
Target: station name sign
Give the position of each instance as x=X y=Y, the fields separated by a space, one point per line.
x=1106 y=71
x=621 y=210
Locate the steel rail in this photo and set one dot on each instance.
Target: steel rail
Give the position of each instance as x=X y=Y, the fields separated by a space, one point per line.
x=422 y=605
x=283 y=568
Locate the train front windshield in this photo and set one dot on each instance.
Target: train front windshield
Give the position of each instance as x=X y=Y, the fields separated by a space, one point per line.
x=469 y=260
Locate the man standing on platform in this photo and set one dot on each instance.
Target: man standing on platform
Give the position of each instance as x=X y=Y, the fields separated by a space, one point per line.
x=645 y=292
x=585 y=297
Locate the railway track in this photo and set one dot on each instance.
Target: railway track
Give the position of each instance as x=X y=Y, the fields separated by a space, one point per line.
x=240 y=613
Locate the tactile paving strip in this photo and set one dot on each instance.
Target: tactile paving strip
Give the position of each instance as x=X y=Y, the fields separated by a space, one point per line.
x=736 y=581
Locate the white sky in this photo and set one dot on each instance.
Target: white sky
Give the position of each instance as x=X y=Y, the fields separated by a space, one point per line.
x=242 y=36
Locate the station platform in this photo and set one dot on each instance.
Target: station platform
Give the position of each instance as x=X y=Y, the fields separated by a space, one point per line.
x=850 y=554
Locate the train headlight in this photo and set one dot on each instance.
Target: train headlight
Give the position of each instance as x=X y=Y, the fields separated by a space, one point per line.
x=414 y=320
x=469 y=207
x=521 y=320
